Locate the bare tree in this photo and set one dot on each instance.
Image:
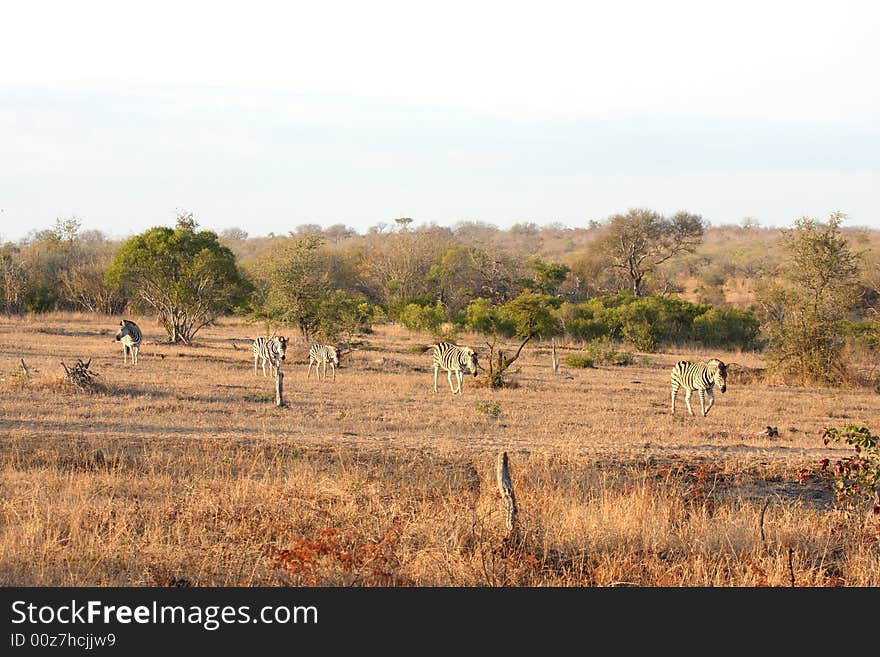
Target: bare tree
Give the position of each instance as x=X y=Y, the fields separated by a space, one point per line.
x=641 y=240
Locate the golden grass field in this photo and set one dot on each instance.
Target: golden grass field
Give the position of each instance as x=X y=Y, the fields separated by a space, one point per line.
x=182 y=471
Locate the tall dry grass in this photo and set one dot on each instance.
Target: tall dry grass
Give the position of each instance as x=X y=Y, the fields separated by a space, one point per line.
x=181 y=471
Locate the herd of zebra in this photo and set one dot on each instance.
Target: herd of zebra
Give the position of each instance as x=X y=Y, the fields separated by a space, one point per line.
x=700 y=377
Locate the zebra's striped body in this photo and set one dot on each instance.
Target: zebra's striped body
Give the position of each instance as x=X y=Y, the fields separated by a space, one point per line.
x=271 y=350
x=131 y=337
x=702 y=377
x=452 y=359
x=321 y=354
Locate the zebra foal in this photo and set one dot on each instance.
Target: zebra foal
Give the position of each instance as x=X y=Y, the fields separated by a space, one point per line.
x=702 y=377
x=452 y=359
x=321 y=354
x=271 y=350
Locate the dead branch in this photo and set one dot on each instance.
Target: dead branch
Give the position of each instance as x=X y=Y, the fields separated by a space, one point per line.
x=761 y=523
x=508 y=498
x=80 y=375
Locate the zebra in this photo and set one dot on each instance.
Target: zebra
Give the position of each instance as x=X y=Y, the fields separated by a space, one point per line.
x=701 y=377
x=452 y=358
x=131 y=337
x=321 y=354
x=272 y=350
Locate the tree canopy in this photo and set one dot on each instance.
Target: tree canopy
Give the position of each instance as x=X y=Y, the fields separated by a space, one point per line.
x=186 y=276
x=641 y=240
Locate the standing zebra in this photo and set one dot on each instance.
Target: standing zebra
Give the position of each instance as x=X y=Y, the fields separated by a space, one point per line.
x=701 y=377
x=131 y=337
x=321 y=354
x=272 y=350
x=452 y=358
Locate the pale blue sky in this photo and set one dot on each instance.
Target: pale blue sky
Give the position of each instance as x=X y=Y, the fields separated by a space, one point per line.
x=269 y=115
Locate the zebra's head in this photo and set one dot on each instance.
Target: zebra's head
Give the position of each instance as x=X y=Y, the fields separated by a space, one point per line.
x=333 y=353
x=282 y=347
x=123 y=330
x=470 y=357
x=719 y=373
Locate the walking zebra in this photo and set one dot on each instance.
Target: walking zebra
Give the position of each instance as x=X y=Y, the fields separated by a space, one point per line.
x=321 y=354
x=452 y=358
x=131 y=337
x=701 y=377
x=272 y=350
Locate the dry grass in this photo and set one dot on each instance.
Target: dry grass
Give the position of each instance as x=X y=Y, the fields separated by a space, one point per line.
x=181 y=471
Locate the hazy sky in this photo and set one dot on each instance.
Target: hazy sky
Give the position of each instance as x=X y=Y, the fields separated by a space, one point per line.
x=267 y=115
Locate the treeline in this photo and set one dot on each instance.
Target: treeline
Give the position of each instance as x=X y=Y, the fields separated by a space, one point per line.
x=637 y=277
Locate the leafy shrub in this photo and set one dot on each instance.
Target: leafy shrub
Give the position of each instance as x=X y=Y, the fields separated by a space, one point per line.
x=492 y=408
x=424 y=318
x=857 y=477
x=582 y=321
x=649 y=322
x=720 y=327
x=605 y=352
x=40 y=299
x=579 y=361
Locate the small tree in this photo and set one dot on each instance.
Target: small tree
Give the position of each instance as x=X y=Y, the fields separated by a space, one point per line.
x=528 y=316
x=342 y=315
x=293 y=282
x=639 y=241
x=547 y=277
x=805 y=310
x=186 y=276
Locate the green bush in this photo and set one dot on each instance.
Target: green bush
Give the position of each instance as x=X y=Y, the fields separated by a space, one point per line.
x=650 y=322
x=721 y=327
x=424 y=318
x=856 y=478
x=579 y=361
x=40 y=299
x=581 y=321
x=605 y=352
x=492 y=408
x=647 y=322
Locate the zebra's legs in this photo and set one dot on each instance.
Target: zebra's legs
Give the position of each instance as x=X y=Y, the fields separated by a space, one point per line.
x=449 y=377
x=711 y=400
x=459 y=376
x=674 y=393
x=256 y=358
x=264 y=366
x=333 y=368
x=703 y=408
x=436 y=370
x=687 y=400
x=134 y=355
x=325 y=369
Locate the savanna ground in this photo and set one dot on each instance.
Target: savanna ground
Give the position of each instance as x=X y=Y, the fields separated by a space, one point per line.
x=182 y=471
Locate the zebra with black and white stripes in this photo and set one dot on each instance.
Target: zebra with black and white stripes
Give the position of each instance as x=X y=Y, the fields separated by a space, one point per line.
x=322 y=354
x=453 y=359
x=131 y=337
x=271 y=350
x=702 y=377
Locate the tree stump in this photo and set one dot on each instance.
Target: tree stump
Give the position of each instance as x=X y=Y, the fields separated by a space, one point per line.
x=555 y=357
x=279 y=388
